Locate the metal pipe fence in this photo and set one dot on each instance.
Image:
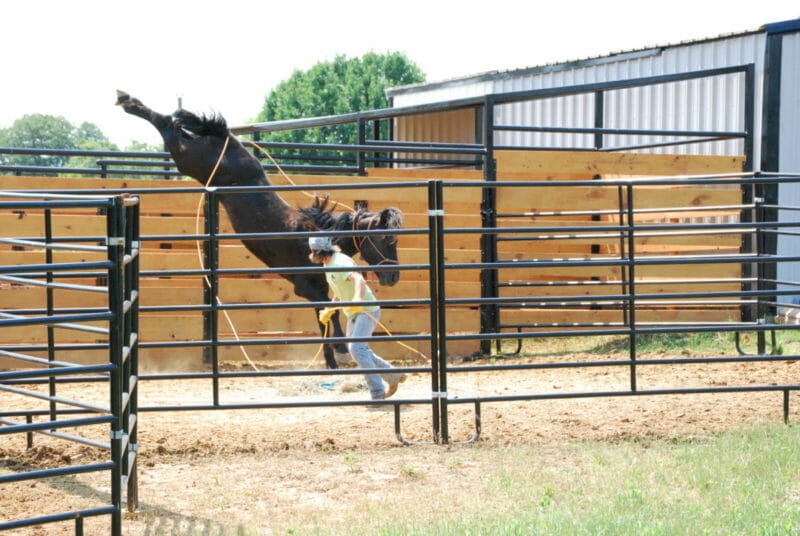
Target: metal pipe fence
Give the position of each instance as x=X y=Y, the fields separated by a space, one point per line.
x=630 y=295
x=757 y=299
x=119 y=372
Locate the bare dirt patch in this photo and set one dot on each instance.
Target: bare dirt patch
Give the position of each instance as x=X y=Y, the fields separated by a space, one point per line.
x=259 y=471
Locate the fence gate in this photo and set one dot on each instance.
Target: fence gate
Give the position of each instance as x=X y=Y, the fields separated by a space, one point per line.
x=50 y=268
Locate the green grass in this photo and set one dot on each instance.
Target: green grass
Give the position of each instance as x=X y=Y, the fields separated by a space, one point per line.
x=722 y=343
x=739 y=483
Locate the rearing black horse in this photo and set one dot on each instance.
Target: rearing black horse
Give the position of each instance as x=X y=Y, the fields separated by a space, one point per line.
x=196 y=143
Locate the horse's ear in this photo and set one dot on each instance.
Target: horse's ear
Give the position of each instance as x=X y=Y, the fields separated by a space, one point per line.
x=391 y=218
x=322 y=203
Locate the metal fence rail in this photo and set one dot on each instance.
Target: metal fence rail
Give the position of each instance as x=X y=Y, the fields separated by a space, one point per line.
x=757 y=294
x=758 y=297
x=119 y=415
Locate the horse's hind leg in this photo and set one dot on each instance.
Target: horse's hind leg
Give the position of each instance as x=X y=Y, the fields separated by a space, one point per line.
x=135 y=107
x=342 y=353
x=163 y=123
x=316 y=290
x=335 y=353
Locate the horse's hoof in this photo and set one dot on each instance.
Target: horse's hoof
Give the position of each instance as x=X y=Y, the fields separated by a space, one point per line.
x=122 y=97
x=343 y=359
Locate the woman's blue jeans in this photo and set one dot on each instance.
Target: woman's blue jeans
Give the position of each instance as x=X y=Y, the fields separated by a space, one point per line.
x=362 y=325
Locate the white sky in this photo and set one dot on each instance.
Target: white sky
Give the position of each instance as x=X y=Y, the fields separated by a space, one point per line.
x=67 y=58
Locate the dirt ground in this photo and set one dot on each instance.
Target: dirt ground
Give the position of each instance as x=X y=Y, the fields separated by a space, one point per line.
x=255 y=471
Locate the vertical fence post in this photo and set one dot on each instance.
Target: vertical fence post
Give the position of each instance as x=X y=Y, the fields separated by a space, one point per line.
x=362 y=140
x=256 y=139
x=441 y=306
x=51 y=338
x=131 y=376
x=767 y=193
x=433 y=259
x=376 y=135
x=489 y=312
x=760 y=268
x=623 y=251
x=599 y=118
x=632 y=283
x=211 y=289
x=751 y=195
x=116 y=254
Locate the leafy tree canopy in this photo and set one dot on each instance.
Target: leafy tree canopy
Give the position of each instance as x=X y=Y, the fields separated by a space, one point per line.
x=343 y=85
x=40 y=131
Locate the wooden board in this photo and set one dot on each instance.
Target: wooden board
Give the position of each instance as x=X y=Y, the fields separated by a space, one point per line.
x=726 y=243
x=598 y=197
x=426 y=174
x=576 y=289
x=664 y=271
x=170 y=200
x=249 y=324
x=513 y=164
x=582 y=316
x=231 y=257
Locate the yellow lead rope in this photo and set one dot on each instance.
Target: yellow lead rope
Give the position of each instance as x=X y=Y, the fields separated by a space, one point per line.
x=200 y=256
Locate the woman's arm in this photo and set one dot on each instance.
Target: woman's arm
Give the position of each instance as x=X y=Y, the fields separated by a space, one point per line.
x=360 y=286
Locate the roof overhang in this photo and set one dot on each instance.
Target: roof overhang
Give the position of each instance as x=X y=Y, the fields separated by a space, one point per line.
x=770 y=29
x=786 y=26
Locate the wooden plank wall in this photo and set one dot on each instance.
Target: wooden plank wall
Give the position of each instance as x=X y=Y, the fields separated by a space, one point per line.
x=174 y=212
x=559 y=165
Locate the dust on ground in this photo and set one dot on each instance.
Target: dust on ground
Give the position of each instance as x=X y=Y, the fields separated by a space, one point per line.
x=214 y=472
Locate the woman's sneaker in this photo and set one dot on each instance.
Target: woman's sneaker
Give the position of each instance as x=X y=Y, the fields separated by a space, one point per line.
x=394 y=385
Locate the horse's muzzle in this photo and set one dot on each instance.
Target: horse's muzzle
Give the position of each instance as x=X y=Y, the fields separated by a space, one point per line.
x=388 y=279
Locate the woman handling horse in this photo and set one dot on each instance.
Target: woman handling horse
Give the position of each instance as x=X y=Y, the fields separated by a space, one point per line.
x=361 y=320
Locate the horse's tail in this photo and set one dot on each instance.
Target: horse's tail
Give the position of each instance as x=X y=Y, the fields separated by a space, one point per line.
x=205 y=125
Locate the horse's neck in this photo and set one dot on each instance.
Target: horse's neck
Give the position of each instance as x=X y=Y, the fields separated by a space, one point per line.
x=258 y=211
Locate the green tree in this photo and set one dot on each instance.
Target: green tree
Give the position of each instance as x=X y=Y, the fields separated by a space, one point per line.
x=143 y=147
x=341 y=86
x=40 y=131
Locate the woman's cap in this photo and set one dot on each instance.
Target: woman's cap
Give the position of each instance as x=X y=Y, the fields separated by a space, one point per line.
x=320 y=243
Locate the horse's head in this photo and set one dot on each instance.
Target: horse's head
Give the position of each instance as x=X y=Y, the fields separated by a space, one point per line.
x=376 y=249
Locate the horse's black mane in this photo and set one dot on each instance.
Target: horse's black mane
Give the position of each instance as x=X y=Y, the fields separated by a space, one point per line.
x=204 y=125
x=321 y=216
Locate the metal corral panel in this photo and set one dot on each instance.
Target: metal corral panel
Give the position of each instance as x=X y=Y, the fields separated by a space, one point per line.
x=789 y=155
x=709 y=104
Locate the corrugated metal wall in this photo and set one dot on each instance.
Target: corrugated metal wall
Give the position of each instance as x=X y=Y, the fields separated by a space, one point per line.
x=709 y=104
x=714 y=104
x=789 y=194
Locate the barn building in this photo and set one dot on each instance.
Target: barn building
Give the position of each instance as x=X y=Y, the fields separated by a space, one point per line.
x=746 y=82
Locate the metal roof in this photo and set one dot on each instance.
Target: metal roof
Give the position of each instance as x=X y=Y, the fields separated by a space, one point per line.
x=778 y=27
